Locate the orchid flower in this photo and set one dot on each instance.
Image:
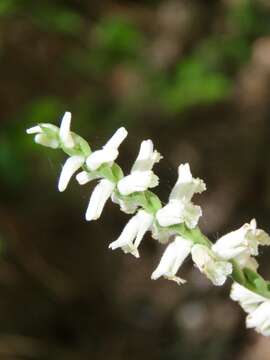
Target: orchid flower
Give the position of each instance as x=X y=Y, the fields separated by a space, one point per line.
x=109 y=152
x=132 y=235
x=180 y=209
x=241 y=243
x=141 y=177
x=257 y=307
x=215 y=269
x=173 y=257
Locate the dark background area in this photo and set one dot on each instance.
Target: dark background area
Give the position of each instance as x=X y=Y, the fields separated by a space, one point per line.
x=194 y=76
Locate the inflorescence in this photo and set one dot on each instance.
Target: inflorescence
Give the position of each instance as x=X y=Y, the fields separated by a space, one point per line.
x=175 y=224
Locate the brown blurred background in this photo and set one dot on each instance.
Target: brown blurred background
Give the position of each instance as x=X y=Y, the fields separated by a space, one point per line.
x=194 y=76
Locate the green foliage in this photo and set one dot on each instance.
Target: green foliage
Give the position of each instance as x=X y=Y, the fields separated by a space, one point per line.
x=43 y=110
x=116 y=40
x=11 y=162
x=57 y=19
x=195 y=83
x=249 y=18
x=8 y=7
x=224 y=52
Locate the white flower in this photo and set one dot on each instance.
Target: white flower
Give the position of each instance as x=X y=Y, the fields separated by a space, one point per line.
x=98 y=199
x=84 y=177
x=242 y=241
x=257 y=307
x=64 y=131
x=46 y=135
x=260 y=319
x=141 y=177
x=216 y=270
x=71 y=165
x=109 y=152
x=180 y=209
x=173 y=257
x=248 y=299
x=132 y=235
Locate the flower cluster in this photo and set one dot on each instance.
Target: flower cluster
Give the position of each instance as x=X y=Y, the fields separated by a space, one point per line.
x=174 y=224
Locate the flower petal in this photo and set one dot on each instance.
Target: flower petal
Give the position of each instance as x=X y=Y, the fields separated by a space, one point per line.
x=34 y=130
x=146 y=158
x=43 y=139
x=99 y=157
x=64 y=132
x=84 y=177
x=71 y=165
x=99 y=196
x=116 y=140
x=248 y=299
x=137 y=181
x=172 y=259
x=186 y=186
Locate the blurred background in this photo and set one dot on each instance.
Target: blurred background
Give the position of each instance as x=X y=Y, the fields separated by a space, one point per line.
x=194 y=76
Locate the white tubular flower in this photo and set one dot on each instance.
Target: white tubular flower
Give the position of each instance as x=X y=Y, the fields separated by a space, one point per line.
x=46 y=135
x=248 y=299
x=242 y=241
x=64 y=131
x=98 y=199
x=109 y=152
x=180 y=209
x=71 y=165
x=257 y=307
x=216 y=270
x=177 y=212
x=85 y=177
x=260 y=319
x=186 y=186
x=141 y=177
x=173 y=257
x=133 y=232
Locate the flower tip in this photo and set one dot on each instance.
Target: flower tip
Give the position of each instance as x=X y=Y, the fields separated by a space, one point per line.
x=90 y=217
x=154 y=277
x=67 y=114
x=135 y=253
x=122 y=132
x=64 y=131
x=112 y=246
x=253 y=224
x=61 y=186
x=66 y=117
x=33 y=130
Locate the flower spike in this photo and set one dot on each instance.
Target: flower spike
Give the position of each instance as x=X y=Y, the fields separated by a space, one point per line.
x=175 y=223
